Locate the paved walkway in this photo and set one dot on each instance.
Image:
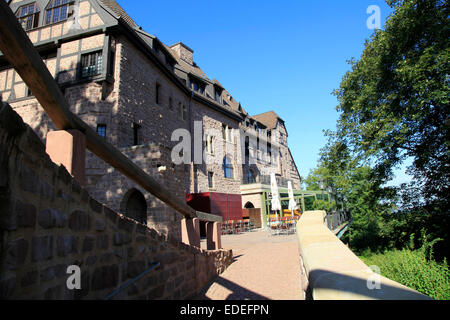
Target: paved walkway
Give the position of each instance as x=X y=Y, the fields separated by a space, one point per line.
x=266 y=268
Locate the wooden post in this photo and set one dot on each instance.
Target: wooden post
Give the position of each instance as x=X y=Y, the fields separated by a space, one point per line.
x=213 y=236
x=68 y=148
x=190 y=232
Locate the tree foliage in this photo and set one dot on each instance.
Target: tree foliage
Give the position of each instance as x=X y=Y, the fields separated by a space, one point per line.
x=394 y=105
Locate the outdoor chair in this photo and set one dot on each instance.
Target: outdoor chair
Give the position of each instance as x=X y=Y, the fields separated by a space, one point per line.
x=231 y=227
x=235 y=227
x=274 y=226
x=293 y=223
x=225 y=228
x=239 y=226
x=246 y=226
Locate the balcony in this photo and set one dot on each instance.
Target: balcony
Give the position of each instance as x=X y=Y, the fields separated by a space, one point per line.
x=265 y=180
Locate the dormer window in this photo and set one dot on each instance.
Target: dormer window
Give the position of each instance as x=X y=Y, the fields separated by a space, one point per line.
x=197 y=86
x=57 y=10
x=28 y=16
x=218 y=95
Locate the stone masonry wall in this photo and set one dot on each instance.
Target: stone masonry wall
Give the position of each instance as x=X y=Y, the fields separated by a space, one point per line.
x=111 y=187
x=213 y=120
x=48 y=222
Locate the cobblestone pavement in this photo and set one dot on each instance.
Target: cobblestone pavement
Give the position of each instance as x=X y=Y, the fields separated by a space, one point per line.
x=266 y=268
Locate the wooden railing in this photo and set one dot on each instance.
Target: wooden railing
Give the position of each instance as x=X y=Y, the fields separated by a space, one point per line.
x=20 y=52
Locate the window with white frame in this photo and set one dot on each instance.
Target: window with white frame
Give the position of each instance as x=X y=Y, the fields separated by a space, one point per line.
x=227 y=167
x=28 y=16
x=57 y=10
x=91 y=64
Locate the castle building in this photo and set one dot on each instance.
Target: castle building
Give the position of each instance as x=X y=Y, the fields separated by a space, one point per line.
x=145 y=97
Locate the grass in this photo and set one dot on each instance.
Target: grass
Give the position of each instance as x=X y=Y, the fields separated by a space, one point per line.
x=413 y=269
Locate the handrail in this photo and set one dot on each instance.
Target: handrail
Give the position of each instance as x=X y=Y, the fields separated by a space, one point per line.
x=129 y=283
x=21 y=53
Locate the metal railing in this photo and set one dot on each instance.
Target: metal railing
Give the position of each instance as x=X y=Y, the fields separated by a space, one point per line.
x=129 y=283
x=264 y=179
x=336 y=219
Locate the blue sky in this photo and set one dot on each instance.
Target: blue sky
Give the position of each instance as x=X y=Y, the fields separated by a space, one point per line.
x=286 y=56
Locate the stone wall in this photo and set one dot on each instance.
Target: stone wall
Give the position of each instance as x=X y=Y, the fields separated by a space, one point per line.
x=331 y=271
x=48 y=223
x=112 y=186
x=254 y=198
x=212 y=121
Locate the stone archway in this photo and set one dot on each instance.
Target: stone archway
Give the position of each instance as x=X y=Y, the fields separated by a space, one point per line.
x=249 y=205
x=134 y=206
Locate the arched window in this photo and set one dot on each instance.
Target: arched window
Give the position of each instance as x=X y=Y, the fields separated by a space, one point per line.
x=57 y=10
x=227 y=168
x=134 y=206
x=28 y=16
x=249 y=205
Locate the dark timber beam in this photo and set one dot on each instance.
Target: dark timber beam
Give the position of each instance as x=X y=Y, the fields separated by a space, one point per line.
x=20 y=52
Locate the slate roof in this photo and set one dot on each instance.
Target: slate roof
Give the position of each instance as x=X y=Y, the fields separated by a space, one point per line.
x=118 y=10
x=269 y=119
x=195 y=70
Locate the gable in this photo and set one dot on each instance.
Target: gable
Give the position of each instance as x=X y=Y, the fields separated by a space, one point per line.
x=51 y=24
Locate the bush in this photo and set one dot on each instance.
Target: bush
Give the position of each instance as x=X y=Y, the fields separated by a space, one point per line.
x=413 y=269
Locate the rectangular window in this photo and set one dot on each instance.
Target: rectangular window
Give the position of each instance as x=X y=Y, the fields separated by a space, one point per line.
x=91 y=64
x=157 y=93
x=227 y=133
x=218 y=95
x=210 y=180
x=227 y=169
x=247 y=149
x=197 y=87
x=101 y=130
x=57 y=11
x=29 y=93
x=170 y=104
x=112 y=63
x=183 y=111
x=136 y=130
x=210 y=144
x=224 y=131
x=28 y=16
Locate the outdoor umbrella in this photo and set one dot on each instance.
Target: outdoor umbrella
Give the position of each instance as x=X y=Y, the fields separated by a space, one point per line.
x=276 y=205
x=292 y=203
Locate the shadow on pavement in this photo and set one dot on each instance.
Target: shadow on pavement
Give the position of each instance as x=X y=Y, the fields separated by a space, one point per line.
x=237 y=292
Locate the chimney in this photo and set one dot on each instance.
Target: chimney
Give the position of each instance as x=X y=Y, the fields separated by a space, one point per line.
x=183 y=52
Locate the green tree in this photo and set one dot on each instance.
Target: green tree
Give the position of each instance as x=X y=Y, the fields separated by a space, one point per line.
x=394 y=104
